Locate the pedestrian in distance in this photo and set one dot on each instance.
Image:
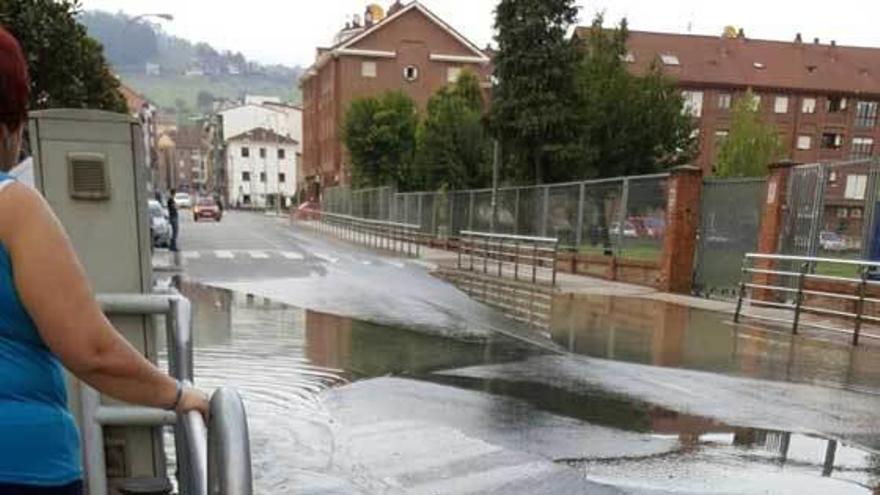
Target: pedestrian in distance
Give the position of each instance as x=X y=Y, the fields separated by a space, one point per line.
x=173 y=220
x=50 y=318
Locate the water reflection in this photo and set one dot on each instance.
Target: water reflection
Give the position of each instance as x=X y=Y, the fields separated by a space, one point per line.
x=663 y=334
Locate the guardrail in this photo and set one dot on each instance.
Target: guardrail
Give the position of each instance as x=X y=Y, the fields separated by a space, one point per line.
x=225 y=447
x=390 y=236
x=521 y=258
x=767 y=282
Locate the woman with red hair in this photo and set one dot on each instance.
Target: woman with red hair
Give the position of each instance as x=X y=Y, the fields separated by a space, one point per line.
x=49 y=318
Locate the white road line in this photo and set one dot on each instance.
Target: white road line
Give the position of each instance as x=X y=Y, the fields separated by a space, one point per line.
x=258 y=255
x=191 y=255
x=224 y=255
x=292 y=256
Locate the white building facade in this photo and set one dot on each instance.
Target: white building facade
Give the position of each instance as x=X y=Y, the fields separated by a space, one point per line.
x=261 y=169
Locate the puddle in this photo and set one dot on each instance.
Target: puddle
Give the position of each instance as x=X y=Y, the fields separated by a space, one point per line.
x=285 y=361
x=662 y=334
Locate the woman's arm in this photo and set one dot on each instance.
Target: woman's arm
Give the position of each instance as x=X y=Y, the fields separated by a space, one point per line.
x=54 y=289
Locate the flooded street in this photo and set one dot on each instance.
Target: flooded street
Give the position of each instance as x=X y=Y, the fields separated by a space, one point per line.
x=344 y=406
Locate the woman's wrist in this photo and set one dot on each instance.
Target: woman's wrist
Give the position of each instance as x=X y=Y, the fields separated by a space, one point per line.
x=178 y=395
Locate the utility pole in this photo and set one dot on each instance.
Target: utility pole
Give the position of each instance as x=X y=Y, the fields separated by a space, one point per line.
x=496 y=164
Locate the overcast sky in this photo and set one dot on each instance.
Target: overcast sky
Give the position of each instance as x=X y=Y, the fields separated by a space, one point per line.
x=287 y=31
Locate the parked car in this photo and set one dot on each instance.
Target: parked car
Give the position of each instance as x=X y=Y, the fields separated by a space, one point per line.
x=832 y=241
x=183 y=200
x=207 y=208
x=629 y=230
x=160 y=227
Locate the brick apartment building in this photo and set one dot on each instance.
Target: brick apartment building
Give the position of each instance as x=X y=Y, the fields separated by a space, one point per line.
x=411 y=50
x=822 y=97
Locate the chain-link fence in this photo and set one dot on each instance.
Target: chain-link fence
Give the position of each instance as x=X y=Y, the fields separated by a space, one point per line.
x=622 y=216
x=730 y=219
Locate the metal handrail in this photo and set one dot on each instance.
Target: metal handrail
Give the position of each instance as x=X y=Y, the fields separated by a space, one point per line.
x=539 y=253
x=379 y=234
x=195 y=452
x=790 y=286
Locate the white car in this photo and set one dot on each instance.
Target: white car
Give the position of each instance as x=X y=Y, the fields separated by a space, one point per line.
x=831 y=241
x=183 y=200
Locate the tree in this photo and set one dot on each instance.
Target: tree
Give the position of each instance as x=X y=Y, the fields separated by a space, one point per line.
x=750 y=144
x=452 y=145
x=380 y=135
x=628 y=124
x=67 y=68
x=533 y=107
x=205 y=101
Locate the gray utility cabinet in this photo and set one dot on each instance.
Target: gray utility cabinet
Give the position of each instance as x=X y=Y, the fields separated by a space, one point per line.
x=89 y=166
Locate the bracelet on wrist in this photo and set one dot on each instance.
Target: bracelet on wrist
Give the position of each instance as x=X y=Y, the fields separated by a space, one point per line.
x=177 y=396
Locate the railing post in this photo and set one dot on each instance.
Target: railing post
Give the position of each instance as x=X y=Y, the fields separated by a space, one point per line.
x=545 y=211
x=486 y=256
x=799 y=298
x=516 y=261
x=555 y=261
x=470 y=225
x=860 y=306
x=742 y=289
x=500 y=257
x=535 y=263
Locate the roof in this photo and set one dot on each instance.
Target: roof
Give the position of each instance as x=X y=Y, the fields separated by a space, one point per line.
x=334 y=51
x=254 y=105
x=263 y=135
x=744 y=62
x=188 y=137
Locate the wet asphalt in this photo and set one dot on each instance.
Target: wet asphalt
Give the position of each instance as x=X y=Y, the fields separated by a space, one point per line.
x=363 y=374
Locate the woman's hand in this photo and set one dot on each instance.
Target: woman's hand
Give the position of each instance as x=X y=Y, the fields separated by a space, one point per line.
x=193 y=399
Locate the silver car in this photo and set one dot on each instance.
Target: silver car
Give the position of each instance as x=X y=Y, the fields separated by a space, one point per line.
x=160 y=227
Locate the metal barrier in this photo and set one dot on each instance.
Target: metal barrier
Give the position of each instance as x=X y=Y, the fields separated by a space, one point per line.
x=506 y=254
x=195 y=451
x=789 y=289
x=390 y=236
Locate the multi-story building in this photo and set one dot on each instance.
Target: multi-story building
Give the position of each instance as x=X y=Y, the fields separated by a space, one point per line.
x=261 y=169
x=146 y=113
x=411 y=50
x=183 y=156
x=823 y=98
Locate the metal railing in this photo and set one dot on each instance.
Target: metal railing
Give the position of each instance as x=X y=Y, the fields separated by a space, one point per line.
x=769 y=282
x=518 y=257
x=225 y=446
x=378 y=234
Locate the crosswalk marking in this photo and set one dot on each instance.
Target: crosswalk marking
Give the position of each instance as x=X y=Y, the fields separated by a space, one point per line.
x=191 y=255
x=224 y=255
x=292 y=256
x=324 y=257
x=258 y=255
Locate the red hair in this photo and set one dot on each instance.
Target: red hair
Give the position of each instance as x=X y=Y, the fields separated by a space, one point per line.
x=14 y=84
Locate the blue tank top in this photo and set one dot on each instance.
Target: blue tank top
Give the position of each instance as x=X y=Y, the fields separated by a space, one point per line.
x=39 y=444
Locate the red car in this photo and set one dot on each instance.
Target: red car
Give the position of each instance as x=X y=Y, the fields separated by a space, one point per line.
x=207 y=208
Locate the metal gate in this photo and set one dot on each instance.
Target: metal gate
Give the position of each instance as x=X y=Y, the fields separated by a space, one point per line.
x=730 y=217
x=803 y=210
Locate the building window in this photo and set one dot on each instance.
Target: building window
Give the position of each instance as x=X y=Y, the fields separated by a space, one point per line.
x=856 y=185
x=452 y=74
x=262 y=152
x=281 y=153
x=368 y=69
x=720 y=136
x=835 y=104
x=282 y=178
x=855 y=213
x=246 y=199
x=411 y=73
x=245 y=176
x=693 y=102
x=842 y=213
x=245 y=152
x=862 y=147
x=832 y=141
x=669 y=59
x=262 y=176
x=781 y=104
x=808 y=105
x=755 y=103
x=866 y=114
x=724 y=100
x=629 y=58
x=804 y=142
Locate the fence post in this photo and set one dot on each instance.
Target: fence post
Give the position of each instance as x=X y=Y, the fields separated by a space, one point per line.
x=579 y=229
x=799 y=297
x=682 y=221
x=860 y=306
x=545 y=211
x=516 y=212
x=622 y=214
x=471 y=212
x=772 y=219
